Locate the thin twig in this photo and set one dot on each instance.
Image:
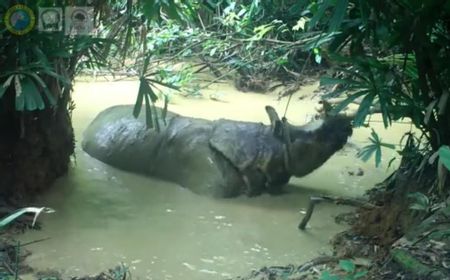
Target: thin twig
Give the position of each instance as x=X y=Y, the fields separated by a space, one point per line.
x=35 y=241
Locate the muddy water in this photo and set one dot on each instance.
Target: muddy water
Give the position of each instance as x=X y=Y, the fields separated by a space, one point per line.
x=105 y=216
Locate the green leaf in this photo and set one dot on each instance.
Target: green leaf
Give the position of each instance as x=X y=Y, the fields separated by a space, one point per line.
x=33 y=99
x=148 y=112
x=338 y=15
x=391 y=162
x=360 y=274
x=7 y=220
x=261 y=31
x=320 y=13
x=139 y=99
x=387 y=145
x=5 y=85
x=364 y=10
x=347 y=266
x=327 y=276
x=418 y=207
x=444 y=156
x=155 y=112
x=2 y=91
x=41 y=56
x=145 y=66
x=378 y=157
x=164 y=111
x=363 y=110
x=150 y=92
x=168 y=85
x=172 y=10
x=339 y=107
x=318 y=40
x=51 y=99
x=420 y=201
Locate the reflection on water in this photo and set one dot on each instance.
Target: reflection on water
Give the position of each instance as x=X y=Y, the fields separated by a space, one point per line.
x=106 y=216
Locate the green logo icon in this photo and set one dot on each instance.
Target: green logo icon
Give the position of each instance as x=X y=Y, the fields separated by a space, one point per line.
x=19 y=19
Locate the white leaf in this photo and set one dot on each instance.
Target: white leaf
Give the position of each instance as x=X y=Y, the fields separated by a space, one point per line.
x=300 y=24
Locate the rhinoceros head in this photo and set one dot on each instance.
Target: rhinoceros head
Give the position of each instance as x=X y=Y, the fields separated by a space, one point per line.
x=309 y=146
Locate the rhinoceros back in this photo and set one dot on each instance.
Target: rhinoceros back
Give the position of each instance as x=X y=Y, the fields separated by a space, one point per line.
x=117 y=138
x=180 y=152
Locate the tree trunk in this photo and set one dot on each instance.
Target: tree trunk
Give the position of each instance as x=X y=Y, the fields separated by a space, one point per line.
x=35 y=149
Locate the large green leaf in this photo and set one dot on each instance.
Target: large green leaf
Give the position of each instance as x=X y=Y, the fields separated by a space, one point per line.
x=156 y=118
x=171 y=9
x=150 y=92
x=51 y=99
x=33 y=99
x=363 y=110
x=37 y=211
x=347 y=265
x=338 y=15
x=318 y=40
x=148 y=113
x=444 y=156
x=140 y=98
x=419 y=202
x=42 y=58
x=150 y=9
x=320 y=13
x=168 y=85
x=364 y=10
x=342 y=105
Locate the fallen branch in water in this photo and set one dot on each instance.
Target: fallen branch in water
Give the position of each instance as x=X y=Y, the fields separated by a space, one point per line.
x=317 y=261
x=313 y=200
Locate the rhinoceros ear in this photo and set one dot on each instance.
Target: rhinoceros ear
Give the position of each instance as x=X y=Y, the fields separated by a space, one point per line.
x=275 y=122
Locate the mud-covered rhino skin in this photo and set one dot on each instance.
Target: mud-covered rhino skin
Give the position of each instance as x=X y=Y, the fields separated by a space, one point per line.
x=222 y=158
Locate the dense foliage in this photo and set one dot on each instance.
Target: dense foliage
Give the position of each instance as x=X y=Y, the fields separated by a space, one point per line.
x=393 y=60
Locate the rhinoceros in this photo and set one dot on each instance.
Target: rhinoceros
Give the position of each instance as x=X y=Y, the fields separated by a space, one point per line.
x=221 y=158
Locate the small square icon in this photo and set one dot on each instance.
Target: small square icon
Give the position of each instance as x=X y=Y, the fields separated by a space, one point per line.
x=50 y=19
x=79 y=20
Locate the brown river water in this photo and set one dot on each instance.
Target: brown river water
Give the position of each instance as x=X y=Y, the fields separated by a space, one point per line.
x=105 y=216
